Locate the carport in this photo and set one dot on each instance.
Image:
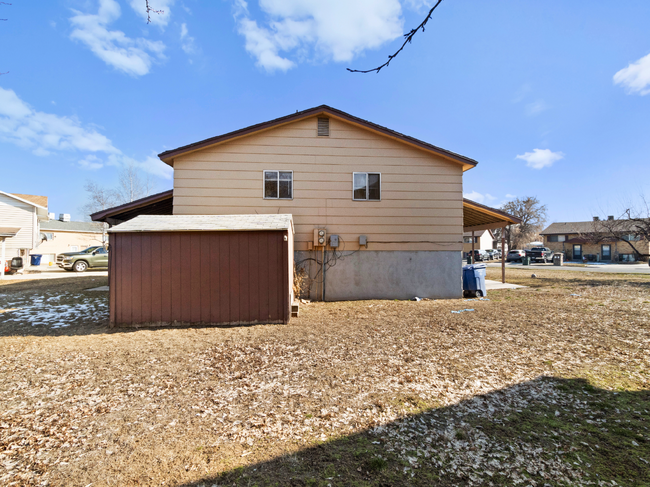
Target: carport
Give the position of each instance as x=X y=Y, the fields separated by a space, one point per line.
x=173 y=270
x=480 y=217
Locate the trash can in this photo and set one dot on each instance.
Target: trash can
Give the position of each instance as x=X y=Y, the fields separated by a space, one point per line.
x=469 y=259
x=558 y=259
x=525 y=261
x=35 y=259
x=474 y=280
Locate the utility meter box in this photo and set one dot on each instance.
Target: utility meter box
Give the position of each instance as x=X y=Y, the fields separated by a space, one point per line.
x=334 y=241
x=320 y=237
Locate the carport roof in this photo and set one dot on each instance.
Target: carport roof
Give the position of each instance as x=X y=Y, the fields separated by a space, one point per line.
x=480 y=217
x=6 y=232
x=202 y=223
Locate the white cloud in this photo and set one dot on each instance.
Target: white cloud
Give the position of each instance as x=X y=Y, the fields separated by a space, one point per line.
x=540 y=158
x=536 y=108
x=336 y=30
x=91 y=163
x=161 y=19
x=479 y=197
x=132 y=56
x=46 y=133
x=510 y=196
x=187 y=42
x=635 y=78
x=43 y=132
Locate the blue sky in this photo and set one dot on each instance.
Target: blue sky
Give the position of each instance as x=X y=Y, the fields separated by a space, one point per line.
x=552 y=98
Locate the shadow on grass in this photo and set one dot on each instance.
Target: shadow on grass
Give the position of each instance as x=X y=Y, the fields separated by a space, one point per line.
x=547 y=431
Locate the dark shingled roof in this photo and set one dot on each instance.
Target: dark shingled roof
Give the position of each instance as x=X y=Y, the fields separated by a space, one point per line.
x=82 y=227
x=566 y=228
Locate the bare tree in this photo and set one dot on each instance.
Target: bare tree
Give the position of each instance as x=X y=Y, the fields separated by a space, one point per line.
x=149 y=10
x=533 y=218
x=99 y=198
x=4 y=3
x=408 y=37
x=133 y=184
x=631 y=228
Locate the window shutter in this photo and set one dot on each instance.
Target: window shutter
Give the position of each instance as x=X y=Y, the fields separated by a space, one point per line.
x=323 y=127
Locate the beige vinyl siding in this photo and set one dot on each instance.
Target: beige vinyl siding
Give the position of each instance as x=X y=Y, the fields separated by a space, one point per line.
x=16 y=214
x=64 y=240
x=421 y=194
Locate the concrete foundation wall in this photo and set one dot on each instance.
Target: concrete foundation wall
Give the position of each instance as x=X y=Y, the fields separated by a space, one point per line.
x=394 y=274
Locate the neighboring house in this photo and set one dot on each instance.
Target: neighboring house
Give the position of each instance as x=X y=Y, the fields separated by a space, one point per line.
x=390 y=206
x=20 y=216
x=579 y=239
x=58 y=237
x=483 y=240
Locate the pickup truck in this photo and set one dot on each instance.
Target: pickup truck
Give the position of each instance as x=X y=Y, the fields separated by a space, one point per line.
x=540 y=254
x=82 y=260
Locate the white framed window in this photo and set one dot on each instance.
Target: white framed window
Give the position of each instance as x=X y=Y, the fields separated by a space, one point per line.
x=366 y=186
x=278 y=185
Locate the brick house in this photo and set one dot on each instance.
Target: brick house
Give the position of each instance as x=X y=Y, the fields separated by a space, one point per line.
x=578 y=239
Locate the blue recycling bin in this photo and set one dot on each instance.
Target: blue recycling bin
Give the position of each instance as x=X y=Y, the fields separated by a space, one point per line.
x=474 y=280
x=35 y=259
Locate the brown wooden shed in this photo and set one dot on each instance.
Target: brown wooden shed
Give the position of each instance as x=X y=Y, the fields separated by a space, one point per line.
x=201 y=269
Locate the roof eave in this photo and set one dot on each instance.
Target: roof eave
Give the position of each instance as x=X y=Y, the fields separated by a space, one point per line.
x=168 y=156
x=147 y=200
x=513 y=220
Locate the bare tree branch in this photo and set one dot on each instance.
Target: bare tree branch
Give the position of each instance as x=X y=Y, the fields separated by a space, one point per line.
x=533 y=218
x=149 y=10
x=409 y=38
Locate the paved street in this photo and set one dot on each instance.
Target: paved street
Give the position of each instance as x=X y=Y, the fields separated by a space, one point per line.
x=598 y=267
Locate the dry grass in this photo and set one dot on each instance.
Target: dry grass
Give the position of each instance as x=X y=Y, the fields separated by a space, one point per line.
x=84 y=404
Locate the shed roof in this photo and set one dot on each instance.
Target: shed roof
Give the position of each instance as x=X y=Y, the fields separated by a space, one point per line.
x=202 y=223
x=80 y=227
x=466 y=162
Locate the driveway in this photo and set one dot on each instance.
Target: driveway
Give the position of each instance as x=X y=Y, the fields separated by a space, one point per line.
x=45 y=272
x=597 y=267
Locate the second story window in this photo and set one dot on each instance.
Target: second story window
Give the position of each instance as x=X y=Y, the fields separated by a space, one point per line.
x=278 y=185
x=366 y=186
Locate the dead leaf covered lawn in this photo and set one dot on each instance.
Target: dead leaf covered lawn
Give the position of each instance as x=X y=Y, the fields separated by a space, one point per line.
x=416 y=390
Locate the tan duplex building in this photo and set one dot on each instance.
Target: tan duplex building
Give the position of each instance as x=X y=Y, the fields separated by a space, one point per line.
x=585 y=239
x=390 y=206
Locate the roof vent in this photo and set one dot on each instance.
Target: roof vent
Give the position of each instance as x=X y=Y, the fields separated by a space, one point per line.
x=610 y=217
x=64 y=217
x=596 y=218
x=323 y=127
x=51 y=216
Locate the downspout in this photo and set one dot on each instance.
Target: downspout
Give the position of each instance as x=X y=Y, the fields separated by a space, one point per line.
x=324 y=271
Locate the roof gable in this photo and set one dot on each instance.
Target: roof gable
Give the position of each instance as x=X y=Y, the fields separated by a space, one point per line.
x=29 y=199
x=466 y=162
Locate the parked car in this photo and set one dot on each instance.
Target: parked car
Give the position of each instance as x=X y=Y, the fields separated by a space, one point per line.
x=515 y=255
x=494 y=254
x=92 y=257
x=479 y=255
x=541 y=254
